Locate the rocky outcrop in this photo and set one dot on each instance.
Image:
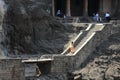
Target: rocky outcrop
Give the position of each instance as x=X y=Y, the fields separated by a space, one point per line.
x=106 y=64
x=27 y=28
x=102 y=69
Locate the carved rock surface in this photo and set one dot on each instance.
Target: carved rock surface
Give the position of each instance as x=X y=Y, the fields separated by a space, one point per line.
x=27 y=28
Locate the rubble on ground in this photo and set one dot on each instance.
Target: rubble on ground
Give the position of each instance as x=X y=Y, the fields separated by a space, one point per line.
x=106 y=64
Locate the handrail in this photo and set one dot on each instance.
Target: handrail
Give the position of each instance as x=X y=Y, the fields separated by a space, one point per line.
x=73 y=41
x=84 y=43
x=90 y=34
x=90 y=25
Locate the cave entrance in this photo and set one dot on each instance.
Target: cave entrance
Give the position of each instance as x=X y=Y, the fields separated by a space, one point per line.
x=60 y=5
x=93 y=6
x=77 y=7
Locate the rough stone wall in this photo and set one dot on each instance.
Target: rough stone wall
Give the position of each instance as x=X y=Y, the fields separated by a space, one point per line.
x=59 y=65
x=30 y=70
x=70 y=63
x=11 y=69
x=29 y=29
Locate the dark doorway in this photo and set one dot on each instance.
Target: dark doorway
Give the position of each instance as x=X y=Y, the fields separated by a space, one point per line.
x=60 y=5
x=93 y=7
x=45 y=67
x=77 y=7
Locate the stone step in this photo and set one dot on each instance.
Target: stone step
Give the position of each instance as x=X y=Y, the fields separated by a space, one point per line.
x=79 y=37
x=89 y=35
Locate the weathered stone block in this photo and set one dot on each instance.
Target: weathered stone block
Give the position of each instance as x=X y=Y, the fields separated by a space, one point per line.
x=11 y=69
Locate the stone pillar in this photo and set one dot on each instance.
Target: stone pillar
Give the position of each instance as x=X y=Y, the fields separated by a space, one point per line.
x=106 y=6
x=86 y=8
x=101 y=8
x=68 y=11
x=53 y=7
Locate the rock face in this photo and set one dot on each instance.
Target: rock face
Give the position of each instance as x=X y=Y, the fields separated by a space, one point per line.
x=27 y=28
x=106 y=64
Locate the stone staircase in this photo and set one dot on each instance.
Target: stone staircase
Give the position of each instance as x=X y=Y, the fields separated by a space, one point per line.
x=79 y=37
x=79 y=42
x=85 y=44
x=87 y=41
x=87 y=37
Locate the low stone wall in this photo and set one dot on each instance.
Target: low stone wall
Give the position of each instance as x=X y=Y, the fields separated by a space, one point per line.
x=11 y=69
x=64 y=64
x=30 y=69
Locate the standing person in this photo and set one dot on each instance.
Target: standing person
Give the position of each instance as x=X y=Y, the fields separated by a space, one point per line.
x=72 y=49
x=64 y=16
x=97 y=17
x=94 y=17
x=58 y=13
x=107 y=16
x=48 y=11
